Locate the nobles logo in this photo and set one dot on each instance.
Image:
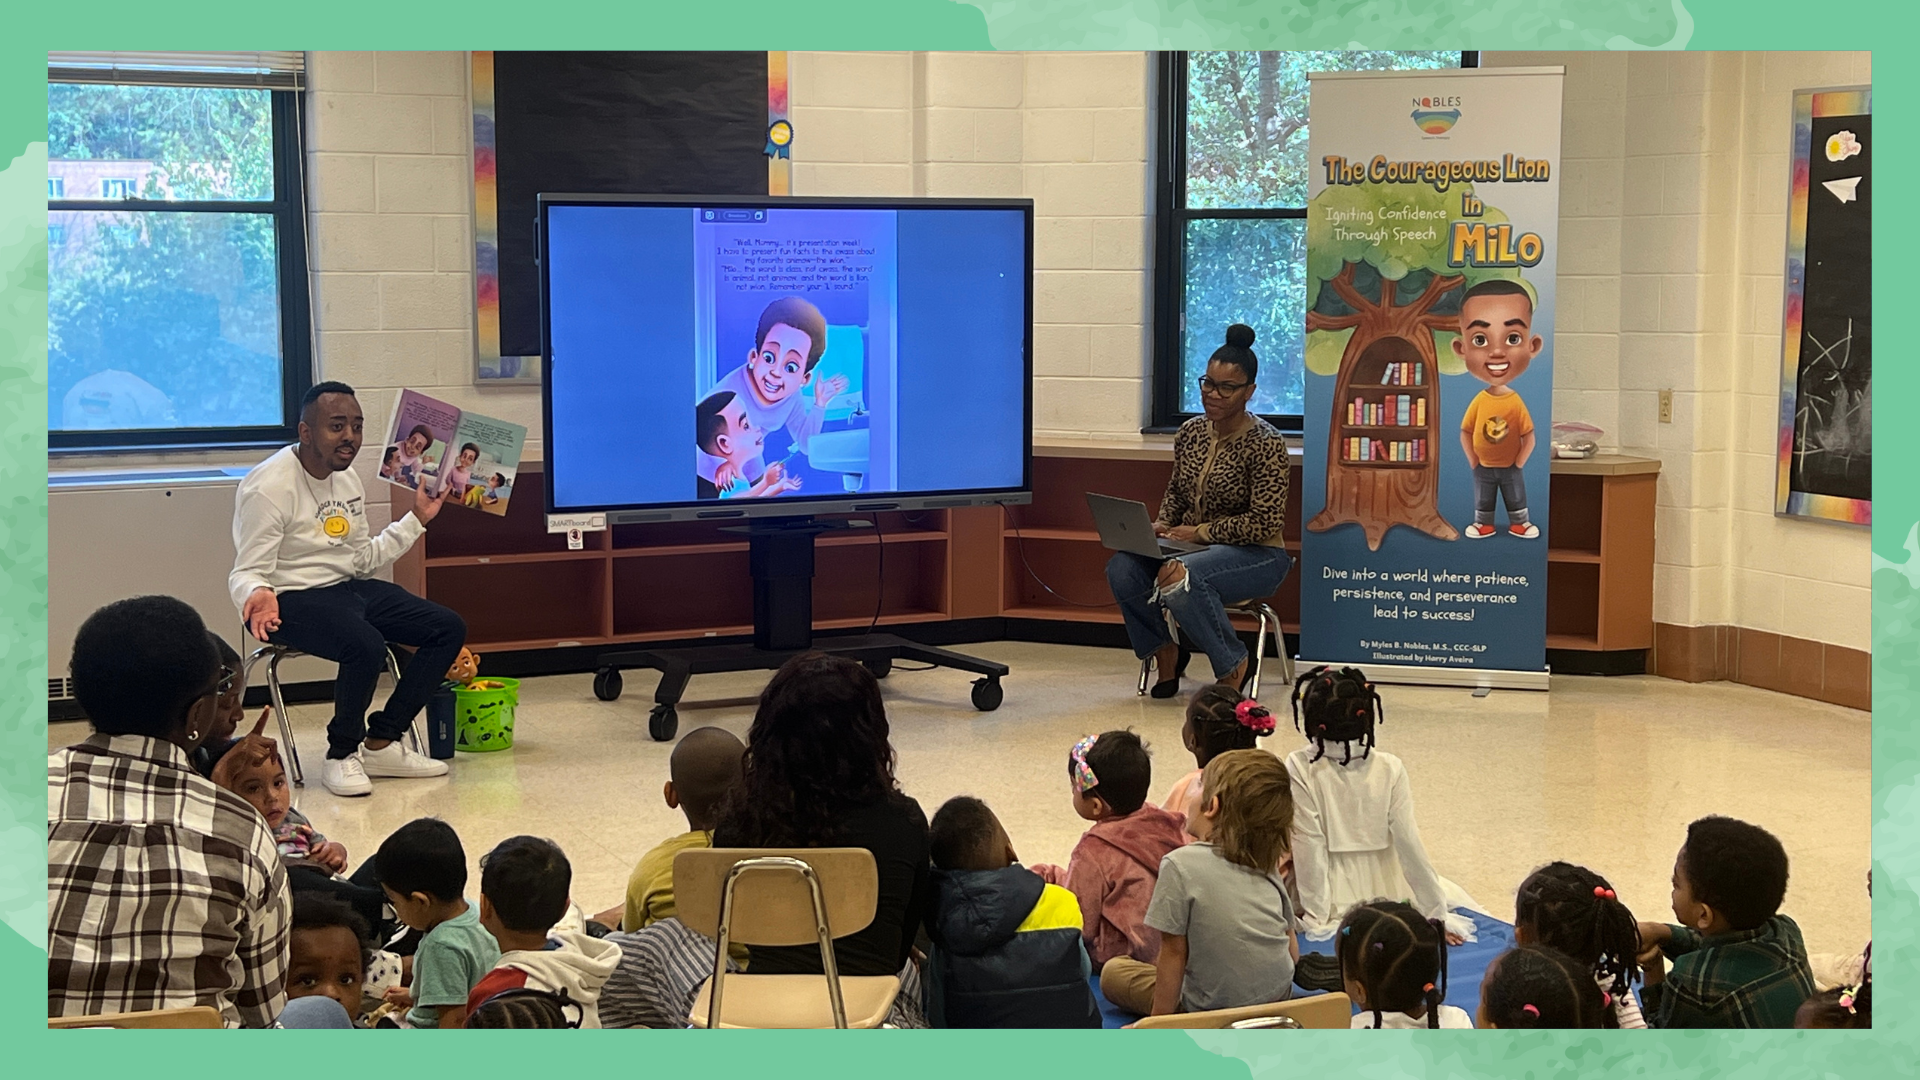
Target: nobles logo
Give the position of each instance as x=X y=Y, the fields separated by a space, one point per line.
x=1436 y=115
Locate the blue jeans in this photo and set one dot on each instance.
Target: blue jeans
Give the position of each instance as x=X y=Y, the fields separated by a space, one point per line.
x=350 y=624
x=1509 y=484
x=1216 y=575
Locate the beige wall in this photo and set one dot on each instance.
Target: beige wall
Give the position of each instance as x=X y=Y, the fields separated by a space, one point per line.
x=1069 y=131
x=1673 y=207
x=1673 y=225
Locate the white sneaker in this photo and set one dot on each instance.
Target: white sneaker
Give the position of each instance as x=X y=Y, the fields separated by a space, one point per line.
x=399 y=760
x=345 y=777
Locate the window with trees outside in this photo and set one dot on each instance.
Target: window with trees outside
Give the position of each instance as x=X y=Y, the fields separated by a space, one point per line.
x=1231 y=216
x=177 y=306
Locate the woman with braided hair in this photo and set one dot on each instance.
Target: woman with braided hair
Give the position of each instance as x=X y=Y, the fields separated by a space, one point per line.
x=1354 y=835
x=1574 y=910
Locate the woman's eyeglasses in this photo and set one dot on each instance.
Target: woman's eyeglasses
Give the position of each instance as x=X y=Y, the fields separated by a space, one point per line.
x=227 y=677
x=1221 y=389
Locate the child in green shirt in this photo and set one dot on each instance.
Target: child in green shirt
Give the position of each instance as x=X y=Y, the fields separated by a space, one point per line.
x=423 y=871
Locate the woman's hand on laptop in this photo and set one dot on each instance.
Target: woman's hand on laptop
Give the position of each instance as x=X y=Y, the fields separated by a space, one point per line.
x=1185 y=534
x=1160 y=528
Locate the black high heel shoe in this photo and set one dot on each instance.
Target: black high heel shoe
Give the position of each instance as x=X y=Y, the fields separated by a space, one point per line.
x=1167 y=688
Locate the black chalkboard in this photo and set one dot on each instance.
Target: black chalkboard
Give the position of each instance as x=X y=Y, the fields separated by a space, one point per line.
x=1833 y=408
x=660 y=123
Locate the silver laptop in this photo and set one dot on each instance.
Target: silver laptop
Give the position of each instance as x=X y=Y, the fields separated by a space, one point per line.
x=1126 y=526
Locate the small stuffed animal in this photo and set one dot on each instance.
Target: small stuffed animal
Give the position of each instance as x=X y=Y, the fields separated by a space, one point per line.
x=464 y=668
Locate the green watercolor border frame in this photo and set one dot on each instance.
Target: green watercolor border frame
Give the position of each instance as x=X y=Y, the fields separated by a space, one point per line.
x=942 y=24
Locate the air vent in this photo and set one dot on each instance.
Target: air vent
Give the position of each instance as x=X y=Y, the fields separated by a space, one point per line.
x=60 y=689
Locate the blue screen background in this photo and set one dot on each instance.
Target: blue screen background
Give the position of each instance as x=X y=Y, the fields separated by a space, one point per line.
x=622 y=297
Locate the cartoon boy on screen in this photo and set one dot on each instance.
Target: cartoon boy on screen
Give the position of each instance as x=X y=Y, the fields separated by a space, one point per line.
x=1497 y=343
x=723 y=430
x=788 y=342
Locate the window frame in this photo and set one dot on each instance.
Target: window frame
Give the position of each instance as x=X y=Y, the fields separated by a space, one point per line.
x=288 y=211
x=1170 y=219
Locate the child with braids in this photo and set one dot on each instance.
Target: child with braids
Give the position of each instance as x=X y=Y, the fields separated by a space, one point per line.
x=1574 y=910
x=1843 y=1006
x=1219 y=719
x=1533 y=986
x=1393 y=963
x=1354 y=833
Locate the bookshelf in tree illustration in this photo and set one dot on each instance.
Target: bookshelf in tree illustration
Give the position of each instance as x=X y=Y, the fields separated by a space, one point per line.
x=1382 y=308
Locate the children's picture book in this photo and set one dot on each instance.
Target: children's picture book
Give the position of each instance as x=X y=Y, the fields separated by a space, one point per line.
x=438 y=445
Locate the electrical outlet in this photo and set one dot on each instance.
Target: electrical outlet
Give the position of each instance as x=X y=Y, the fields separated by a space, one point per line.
x=1666 y=406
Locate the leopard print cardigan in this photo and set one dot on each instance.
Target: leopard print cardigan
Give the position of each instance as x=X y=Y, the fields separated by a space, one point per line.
x=1234 y=489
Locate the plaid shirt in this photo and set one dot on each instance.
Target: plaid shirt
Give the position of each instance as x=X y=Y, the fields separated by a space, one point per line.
x=1745 y=979
x=163 y=891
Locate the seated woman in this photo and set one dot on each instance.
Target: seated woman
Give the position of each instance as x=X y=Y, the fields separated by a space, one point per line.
x=819 y=773
x=1228 y=492
x=163 y=890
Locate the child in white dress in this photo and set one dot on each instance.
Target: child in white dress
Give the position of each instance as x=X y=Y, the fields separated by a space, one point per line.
x=1354 y=836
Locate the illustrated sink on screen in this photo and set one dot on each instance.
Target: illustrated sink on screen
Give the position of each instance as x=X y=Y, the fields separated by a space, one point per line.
x=844 y=452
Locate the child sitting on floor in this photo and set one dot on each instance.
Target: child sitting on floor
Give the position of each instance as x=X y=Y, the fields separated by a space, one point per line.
x=328 y=949
x=1226 y=925
x=1574 y=910
x=524 y=882
x=1393 y=962
x=705 y=765
x=1843 y=1006
x=1532 y=986
x=1354 y=834
x=526 y=1009
x=1219 y=719
x=1737 y=962
x=1007 y=951
x=423 y=871
x=1114 y=866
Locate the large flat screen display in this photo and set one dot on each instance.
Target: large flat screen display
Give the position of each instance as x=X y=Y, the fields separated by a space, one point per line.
x=730 y=357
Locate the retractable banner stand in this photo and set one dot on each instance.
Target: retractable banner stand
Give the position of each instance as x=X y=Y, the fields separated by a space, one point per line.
x=1432 y=230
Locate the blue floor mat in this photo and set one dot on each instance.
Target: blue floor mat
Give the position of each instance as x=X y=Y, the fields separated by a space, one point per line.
x=1466 y=966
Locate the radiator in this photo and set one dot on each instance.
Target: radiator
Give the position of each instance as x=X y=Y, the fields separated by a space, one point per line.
x=115 y=535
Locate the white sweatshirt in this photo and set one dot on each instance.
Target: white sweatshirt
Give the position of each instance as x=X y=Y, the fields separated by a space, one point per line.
x=291 y=531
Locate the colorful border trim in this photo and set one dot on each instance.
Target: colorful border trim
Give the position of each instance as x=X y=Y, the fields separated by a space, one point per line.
x=1807 y=104
x=779 y=166
x=489 y=366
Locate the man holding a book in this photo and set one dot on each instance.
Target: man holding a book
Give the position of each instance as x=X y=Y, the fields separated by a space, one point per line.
x=303 y=578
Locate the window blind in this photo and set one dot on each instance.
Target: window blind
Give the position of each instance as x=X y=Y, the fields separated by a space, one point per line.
x=271 y=70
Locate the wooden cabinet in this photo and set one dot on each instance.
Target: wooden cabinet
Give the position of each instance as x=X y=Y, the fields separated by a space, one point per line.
x=519 y=588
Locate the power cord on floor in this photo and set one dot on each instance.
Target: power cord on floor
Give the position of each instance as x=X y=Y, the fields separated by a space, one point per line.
x=1021 y=542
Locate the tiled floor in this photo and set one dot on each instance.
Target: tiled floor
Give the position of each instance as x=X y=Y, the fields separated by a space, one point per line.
x=1602 y=771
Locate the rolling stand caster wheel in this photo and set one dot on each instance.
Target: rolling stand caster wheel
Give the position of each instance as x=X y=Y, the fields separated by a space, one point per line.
x=879 y=669
x=987 y=694
x=606 y=684
x=662 y=723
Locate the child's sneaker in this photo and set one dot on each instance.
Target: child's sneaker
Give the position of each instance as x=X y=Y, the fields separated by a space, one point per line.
x=1477 y=531
x=1529 y=531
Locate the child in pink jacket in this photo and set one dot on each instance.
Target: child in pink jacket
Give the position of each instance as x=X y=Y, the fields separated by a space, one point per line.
x=1114 y=866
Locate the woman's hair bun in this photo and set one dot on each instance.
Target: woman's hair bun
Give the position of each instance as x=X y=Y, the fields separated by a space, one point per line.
x=1240 y=336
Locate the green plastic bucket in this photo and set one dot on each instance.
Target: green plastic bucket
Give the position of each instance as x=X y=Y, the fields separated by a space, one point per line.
x=483 y=719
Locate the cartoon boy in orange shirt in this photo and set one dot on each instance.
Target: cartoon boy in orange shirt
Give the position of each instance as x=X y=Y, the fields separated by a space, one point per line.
x=1497 y=343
